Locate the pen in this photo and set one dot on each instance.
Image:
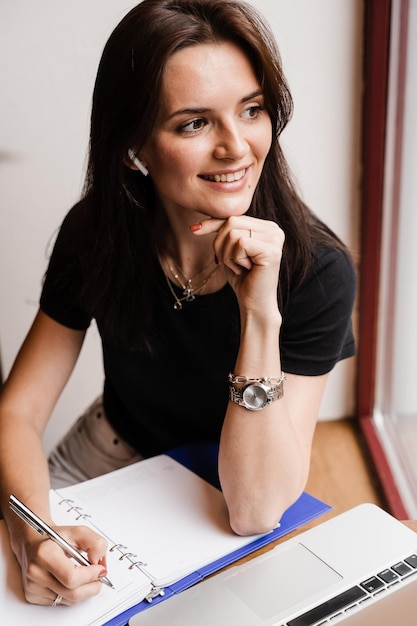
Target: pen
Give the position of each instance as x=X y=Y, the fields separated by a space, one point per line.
x=42 y=528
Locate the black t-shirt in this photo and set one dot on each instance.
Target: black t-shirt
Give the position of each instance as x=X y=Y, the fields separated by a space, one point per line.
x=179 y=393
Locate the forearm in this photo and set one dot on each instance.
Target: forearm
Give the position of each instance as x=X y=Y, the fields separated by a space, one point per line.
x=264 y=455
x=28 y=396
x=23 y=472
x=46 y=570
x=263 y=464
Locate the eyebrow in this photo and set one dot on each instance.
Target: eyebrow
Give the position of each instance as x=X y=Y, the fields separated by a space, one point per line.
x=199 y=111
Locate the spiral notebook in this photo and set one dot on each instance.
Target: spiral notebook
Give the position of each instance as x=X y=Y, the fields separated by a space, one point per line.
x=167 y=528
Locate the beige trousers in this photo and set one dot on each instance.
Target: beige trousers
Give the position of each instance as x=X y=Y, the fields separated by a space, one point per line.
x=90 y=448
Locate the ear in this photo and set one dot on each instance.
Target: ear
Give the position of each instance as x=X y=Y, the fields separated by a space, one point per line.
x=137 y=163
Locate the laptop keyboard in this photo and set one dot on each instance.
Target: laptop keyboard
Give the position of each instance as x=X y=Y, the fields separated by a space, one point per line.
x=354 y=597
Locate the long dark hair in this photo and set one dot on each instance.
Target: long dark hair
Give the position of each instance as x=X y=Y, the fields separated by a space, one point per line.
x=120 y=260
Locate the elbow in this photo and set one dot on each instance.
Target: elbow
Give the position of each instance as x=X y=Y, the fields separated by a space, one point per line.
x=246 y=526
x=258 y=510
x=260 y=517
x=256 y=520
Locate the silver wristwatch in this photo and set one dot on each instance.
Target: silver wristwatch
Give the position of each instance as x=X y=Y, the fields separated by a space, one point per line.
x=255 y=393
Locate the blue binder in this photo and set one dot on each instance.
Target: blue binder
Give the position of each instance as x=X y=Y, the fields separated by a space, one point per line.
x=201 y=458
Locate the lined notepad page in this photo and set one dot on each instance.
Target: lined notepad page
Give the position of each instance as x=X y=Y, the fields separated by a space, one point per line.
x=162 y=513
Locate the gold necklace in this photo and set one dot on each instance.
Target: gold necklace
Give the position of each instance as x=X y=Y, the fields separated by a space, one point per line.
x=189 y=290
x=187 y=279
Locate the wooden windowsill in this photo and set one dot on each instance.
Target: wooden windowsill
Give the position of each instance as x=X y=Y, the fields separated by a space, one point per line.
x=339 y=473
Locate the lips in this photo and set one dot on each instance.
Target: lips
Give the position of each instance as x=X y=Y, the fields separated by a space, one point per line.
x=229 y=177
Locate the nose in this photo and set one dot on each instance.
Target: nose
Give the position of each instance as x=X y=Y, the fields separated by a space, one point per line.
x=230 y=142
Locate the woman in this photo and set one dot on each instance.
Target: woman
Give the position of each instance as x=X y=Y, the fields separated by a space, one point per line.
x=221 y=300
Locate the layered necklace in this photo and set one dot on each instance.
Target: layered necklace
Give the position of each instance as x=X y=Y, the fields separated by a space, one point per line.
x=191 y=287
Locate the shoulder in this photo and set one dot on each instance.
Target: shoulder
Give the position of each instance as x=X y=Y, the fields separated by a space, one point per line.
x=329 y=256
x=317 y=328
x=74 y=237
x=331 y=268
x=76 y=221
x=331 y=272
x=330 y=285
x=64 y=275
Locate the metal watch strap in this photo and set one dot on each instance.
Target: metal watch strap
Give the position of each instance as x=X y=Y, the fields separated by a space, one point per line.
x=239 y=383
x=236 y=395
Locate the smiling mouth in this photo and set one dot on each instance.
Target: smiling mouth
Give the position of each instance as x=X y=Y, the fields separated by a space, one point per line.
x=231 y=177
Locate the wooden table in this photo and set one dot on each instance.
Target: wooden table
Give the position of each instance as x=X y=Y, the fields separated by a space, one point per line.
x=339 y=474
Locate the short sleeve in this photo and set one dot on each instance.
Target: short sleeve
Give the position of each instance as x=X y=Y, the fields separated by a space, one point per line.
x=60 y=296
x=316 y=331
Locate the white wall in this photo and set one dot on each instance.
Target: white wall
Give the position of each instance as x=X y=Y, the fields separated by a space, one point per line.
x=49 y=51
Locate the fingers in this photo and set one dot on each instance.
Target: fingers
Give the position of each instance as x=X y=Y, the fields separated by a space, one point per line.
x=50 y=573
x=237 y=252
x=42 y=587
x=208 y=226
x=236 y=256
x=37 y=594
x=86 y=540
x=242 y=242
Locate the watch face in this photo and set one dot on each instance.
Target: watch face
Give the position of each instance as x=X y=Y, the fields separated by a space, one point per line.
x=255 y=397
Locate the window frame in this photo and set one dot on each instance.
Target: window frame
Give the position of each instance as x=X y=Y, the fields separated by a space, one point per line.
x=378 y=20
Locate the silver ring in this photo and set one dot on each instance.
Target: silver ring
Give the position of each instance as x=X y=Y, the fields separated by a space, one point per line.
x=57 y=600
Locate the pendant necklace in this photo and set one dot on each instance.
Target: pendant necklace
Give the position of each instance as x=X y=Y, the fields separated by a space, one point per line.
x=189 y=290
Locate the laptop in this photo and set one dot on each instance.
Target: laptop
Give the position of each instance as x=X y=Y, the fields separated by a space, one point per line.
x=358 y=568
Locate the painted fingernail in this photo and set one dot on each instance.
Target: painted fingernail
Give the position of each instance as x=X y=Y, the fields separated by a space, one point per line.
x=102 y=573
x=195 y=227
x=103 y=561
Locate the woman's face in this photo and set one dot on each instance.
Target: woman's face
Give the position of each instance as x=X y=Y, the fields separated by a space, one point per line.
x=212 y=134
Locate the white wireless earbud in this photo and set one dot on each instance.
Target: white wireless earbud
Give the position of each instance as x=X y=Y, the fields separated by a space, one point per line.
x=132 y=156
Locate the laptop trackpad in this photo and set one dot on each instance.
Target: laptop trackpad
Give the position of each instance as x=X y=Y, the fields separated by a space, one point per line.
x=275 y=585
x=258 y=592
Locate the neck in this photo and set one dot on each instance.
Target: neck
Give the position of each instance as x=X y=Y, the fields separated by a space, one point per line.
x=177 y=246
x=191 y=273
x=201 y=283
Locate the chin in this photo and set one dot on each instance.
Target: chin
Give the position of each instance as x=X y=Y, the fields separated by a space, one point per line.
x=231 y=212
x=231 y=209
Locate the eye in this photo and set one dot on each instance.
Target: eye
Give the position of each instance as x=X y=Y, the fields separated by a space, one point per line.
x=193 y=126
x=253 y=112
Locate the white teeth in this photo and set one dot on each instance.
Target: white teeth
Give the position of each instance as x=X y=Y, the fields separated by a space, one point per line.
x=226 y=178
